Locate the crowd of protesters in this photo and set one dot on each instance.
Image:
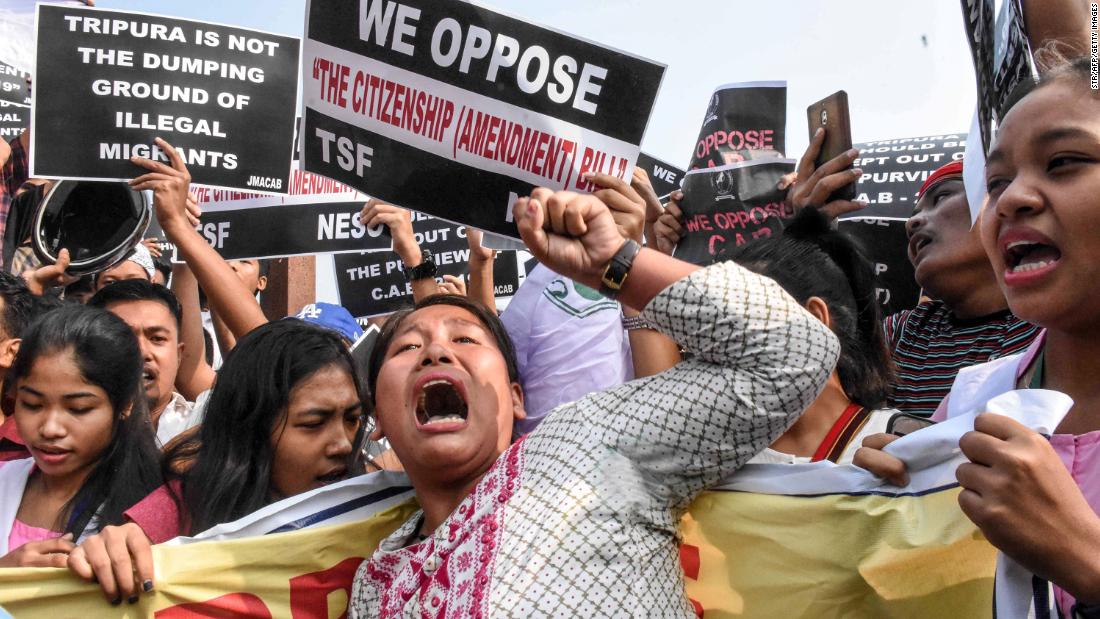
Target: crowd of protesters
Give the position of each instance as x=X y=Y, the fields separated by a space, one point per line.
x=153 y=400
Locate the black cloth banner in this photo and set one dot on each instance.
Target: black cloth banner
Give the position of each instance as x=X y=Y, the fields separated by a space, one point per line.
x=1002 y=56
x=373 y=283
x=448 y=108
x=13 y=120
x=730 y=206
x=893 y=172
x=108 y=82
x=13 y=85
x=743 y=121
x=664 y=176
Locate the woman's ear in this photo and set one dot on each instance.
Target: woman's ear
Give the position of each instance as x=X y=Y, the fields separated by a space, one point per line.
x=820 y=310
x=8 y=350
x=518 y=410
x=126 y=412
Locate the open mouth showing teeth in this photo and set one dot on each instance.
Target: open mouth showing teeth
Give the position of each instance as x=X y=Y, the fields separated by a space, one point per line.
x=440 y=401
x=1024 y=256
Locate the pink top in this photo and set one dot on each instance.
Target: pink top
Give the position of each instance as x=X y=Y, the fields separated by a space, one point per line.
x=21 y=533
x=1081 y=455
x=1079 y=452
x=157 y=514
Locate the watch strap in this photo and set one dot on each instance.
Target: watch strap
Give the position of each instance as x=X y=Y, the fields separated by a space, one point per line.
x=424 y=270
x=632 y=323
x=614 y=276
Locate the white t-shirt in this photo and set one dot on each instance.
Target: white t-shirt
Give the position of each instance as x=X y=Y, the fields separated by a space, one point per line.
x=180 y=415
x=569 y=342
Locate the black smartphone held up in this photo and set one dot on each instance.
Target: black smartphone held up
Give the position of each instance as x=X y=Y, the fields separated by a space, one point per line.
x=831 y=114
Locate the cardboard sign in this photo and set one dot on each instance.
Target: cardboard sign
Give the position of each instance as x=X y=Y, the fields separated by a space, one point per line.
x=743 y=121
x=664 y=176
x=454 y=110
x=108 y=82
x=14 y=119
x=301 y=226
x=893 y=172
x=730 y=206
x=373 y=283
x=885 y=243
x=320 y=216
x=13 y=85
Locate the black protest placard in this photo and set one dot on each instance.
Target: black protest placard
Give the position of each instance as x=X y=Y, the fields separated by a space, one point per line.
x=743 y=121
x=730 y=206
x=14 y=119
x=448 y=108
x=13 y=85
x=108 y=82
x=308 y=228
x=885 y=243
x=373 y=283
x=664 y=176
x=894 y=170
x=319 y=216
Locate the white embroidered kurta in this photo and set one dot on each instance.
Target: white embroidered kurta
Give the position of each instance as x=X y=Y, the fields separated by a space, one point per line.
x=580 y=518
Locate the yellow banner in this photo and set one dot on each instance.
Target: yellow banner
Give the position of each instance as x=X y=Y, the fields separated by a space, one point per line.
x=300 y=575
x=744 y=554
x=768 y=556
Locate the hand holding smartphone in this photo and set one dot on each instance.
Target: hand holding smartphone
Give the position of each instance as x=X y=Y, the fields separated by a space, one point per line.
x=831 y=114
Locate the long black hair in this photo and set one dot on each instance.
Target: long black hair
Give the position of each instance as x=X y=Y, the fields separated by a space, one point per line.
x=226 y=466
x=809 y=259
x=106 y=352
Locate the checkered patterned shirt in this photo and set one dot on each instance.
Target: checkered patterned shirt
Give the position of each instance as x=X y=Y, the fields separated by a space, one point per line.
x=580 y=518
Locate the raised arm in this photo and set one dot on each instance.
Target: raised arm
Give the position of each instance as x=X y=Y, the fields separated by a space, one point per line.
x=635 y=209
x=1064 y=21
x=399 y=221
x=481 y=270
x=195 y=375
x=758 y=360
x=225 y=338
x=224 y=291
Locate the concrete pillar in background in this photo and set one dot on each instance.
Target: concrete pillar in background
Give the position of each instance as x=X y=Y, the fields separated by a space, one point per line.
x=290 y=285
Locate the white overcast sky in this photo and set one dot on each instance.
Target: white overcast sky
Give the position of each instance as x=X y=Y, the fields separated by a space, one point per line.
x=905 y=64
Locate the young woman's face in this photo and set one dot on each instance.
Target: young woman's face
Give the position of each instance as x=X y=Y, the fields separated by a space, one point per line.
x=313 y=442
x=66 y=421
x=1040 y=223
x=443 y=397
